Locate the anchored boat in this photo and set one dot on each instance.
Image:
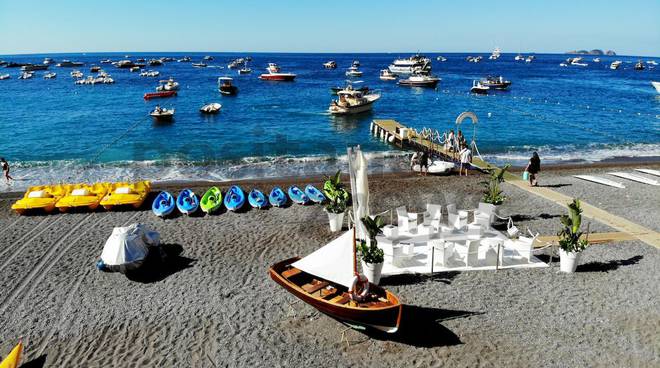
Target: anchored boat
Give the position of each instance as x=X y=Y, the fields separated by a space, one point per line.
x=274 y=74
x=226 y=86
x=352 y=101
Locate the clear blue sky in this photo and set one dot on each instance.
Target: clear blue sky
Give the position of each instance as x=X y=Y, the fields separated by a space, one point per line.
x=629 y=27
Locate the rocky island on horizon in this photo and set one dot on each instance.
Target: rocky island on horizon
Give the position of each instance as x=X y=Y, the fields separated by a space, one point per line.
x=592 y=52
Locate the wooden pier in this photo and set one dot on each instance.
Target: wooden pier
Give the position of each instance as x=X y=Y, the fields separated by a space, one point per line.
x=395 y=133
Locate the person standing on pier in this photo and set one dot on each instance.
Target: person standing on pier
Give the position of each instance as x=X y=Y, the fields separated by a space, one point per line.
x=466 y=158
x=424 y=163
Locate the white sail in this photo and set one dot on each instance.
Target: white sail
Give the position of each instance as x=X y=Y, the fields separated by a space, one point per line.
x=359 y=165
x=333 y=261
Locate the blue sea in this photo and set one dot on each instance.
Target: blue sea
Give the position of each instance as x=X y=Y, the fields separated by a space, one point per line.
x=55 y=131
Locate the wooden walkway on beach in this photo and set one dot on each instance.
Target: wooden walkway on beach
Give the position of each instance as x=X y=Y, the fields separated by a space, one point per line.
x=401 y=136
x=404 y=137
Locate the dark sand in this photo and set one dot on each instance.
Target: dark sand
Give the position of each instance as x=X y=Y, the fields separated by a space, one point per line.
x=215 y=305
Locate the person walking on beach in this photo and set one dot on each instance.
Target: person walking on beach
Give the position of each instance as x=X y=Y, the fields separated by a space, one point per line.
x=466 y=158
x=533 y=168
x=5 y=169
x=424 y=163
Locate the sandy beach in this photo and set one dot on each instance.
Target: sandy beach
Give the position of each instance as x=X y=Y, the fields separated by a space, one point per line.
x=214 y=304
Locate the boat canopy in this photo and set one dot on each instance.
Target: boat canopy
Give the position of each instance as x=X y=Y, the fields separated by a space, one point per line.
x=229 y=79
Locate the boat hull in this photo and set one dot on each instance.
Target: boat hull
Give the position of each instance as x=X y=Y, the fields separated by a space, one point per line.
x=426 y=84
x=338 y=110
x=385 y=319
x=279 y=77
x=149 y=96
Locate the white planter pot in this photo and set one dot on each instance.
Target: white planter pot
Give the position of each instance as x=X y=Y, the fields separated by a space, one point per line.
x=372 y=271
x=336 y=221
x=568 y=261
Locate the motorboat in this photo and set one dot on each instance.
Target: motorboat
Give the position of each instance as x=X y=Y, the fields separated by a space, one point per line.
x=245 y=70
x=184 y=59
x=4 y=76
x=124 y=64
x=656 y=85
x=356 y=63
x=352 y=101
x=155 y=62
x=149 y=73
x=387 y=75
x=106 y=61
x=519 y=57
x=410 y=65
x=139 y=60
x=363 y=89
x=212 y=108
x=576 y=61
x=616 y=64
x=167 y=59
x=208 y=58
x=151 y=95
x=76 y=73
x=199 y=65
x=50 y=75
x=419 y=80
x=330 y=64
x=33 y=67
x=226 y=86
x=12 y=64
x=135 y=69
x=477 y=59
x=274 y=74
x=353 y=72
x=94 y=69
x=496 y=82
x=530 y=58
x=596 y=60
x=639 y=65
x=441 y=58
x=162 y=114
x=48 y=61
x=652 y=62
x=26 y=75
x=67 y=63
x=479 y=88
x=496 y=54
x=168 y=85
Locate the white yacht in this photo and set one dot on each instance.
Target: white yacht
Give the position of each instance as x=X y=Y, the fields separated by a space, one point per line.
x=50 y=75
x=352 y=101
x=353 y=72
x=168 y=85
x=496 y=54
x=387 y=75
x=420 y=80
x=616 y=64
x=519 y=57
x=410 y=65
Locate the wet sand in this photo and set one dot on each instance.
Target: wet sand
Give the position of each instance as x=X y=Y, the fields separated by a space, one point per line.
x=215 y=306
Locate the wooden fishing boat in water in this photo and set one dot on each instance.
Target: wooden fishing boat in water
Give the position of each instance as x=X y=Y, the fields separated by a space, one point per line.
x=328 y=279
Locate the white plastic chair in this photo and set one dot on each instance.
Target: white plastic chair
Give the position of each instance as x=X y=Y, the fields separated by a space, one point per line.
x=451 y=208
x=434 y=212
x=469 y=252
x=456 y=221
x=438 y=252
x=406 y=221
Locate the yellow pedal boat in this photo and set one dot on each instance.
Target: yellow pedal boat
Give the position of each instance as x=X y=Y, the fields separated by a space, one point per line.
x=83 y=195
x=40 y=197
x=121 y=194
x=14 y=357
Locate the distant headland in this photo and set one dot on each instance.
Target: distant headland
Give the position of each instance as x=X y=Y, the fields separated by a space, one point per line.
x=592 y=52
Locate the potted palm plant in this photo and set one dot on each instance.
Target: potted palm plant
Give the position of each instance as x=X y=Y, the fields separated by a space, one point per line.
x=493 y=196
x=337 y=197
x=571 y=243
x=372 y=257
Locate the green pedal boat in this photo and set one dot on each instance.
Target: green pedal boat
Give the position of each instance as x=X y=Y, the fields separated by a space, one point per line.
x=212 y=200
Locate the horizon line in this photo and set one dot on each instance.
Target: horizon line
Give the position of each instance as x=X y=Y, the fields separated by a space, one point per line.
x=312 y=52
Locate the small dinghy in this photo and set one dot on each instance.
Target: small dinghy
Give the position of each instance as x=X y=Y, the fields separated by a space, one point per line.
x=187 y=202
x=211 y=200
x=212 y=108
x=277 y=197
x=257 y=199
x=437 y=167
x=160 y=114
x=314 y=194
x=163 y=204
x=298 y=195
x=235 y=198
